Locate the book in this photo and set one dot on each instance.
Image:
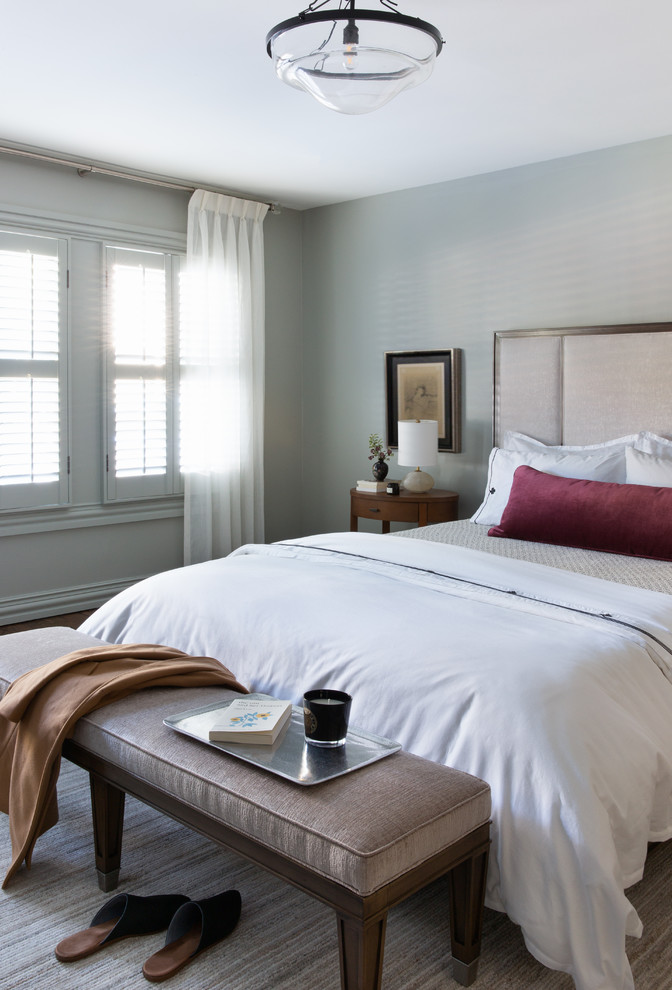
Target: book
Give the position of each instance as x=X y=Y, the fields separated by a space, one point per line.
x=252 y=720
x=371 y=486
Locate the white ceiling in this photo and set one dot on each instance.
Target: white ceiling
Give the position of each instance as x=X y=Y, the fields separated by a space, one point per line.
x=186 y=89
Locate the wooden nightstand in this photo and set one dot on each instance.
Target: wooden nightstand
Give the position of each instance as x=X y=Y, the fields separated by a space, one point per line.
x=431 y=507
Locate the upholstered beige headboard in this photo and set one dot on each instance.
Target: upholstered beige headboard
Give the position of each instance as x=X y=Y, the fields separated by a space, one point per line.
x=583 y=384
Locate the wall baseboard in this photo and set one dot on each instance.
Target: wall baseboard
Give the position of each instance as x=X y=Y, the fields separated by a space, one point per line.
x=59 y=601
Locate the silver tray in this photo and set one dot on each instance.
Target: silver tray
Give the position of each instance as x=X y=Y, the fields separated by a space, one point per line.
x=290 y=756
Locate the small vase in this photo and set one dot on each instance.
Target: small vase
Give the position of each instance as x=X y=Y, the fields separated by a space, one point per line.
x=380 y=469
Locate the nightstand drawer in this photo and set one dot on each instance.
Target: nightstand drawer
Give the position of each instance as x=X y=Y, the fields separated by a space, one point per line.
x=407 y=507
x=374 y=508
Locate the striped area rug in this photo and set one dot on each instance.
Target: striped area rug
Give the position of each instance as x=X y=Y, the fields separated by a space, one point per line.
x=284 y=941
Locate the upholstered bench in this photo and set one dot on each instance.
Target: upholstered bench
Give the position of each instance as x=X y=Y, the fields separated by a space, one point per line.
x=360 y=843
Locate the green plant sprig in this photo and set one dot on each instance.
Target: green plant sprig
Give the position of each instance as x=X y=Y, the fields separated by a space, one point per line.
x=378 y=450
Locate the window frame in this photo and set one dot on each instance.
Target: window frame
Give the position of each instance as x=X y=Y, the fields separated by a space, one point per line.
x=149 y=486
x=51 y=494
x=87 y=507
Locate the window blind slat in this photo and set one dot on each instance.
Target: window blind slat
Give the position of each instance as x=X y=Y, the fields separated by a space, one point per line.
x=29 y=303
x=32 y=378
x=29 y=430
x=140 y=427
x=138 y=315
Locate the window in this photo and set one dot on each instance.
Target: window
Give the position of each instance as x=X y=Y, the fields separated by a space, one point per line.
x=33 y=381
x=141 y=370
x=89 y=374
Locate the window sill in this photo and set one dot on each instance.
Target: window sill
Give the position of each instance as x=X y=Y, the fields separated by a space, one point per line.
x=21 y=522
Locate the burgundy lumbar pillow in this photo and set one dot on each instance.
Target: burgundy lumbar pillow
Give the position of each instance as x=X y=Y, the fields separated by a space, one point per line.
x=596 y=515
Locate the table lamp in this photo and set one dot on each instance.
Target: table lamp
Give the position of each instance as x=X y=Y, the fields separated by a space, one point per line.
x=418 y=445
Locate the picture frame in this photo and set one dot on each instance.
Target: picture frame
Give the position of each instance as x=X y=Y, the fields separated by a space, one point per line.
x=424 y=385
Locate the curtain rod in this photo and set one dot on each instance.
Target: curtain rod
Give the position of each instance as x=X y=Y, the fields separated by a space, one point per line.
x=87 y=168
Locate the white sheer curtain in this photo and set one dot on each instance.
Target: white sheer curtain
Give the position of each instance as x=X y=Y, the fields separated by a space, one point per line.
x=222 y=376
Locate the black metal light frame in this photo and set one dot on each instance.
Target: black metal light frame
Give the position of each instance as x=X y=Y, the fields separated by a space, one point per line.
x=351 y=13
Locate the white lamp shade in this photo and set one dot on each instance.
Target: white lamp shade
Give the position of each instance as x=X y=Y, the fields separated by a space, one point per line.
x=418 y=442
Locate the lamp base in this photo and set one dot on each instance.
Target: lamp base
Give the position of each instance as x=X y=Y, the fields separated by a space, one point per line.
x=418 y=481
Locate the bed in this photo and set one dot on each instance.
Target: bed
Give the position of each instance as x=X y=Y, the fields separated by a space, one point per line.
x=545 y=669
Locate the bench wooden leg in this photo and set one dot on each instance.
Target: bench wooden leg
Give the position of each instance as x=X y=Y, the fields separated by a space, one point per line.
x=361 y=924
x=107 y=806
x=467 y=894
x=360 y=950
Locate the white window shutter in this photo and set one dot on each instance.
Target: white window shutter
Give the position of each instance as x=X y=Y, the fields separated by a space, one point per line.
x=140 y=461
x=33 y=387
x=140 y=427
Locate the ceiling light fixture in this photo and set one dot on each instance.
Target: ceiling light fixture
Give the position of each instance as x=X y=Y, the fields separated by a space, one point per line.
x=353 y=60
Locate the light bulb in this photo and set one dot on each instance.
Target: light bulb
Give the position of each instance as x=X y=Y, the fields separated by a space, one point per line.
x=350 y=42
x=350 y=58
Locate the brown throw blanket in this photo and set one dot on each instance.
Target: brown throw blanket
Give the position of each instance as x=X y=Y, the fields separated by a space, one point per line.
x=39 y=711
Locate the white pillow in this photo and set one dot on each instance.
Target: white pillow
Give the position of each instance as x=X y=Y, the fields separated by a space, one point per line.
x=519 y=441
x=647 y=469
x=651 y=443
x=603 y=465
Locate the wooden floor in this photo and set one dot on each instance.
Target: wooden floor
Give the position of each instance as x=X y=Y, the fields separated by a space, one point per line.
x=72 y=619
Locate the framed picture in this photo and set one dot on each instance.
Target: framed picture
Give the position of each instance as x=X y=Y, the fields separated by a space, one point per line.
x=424 y=385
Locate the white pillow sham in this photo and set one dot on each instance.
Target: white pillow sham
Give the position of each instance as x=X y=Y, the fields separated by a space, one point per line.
x=602 y=465
x=651 y=443
x=647 y=469
x=520 y=441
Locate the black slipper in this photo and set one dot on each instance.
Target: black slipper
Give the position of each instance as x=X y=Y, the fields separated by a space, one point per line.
x=121 y=916
x=196 y=926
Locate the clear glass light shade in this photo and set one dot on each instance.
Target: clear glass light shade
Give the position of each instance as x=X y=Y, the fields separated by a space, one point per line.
x=353 y=76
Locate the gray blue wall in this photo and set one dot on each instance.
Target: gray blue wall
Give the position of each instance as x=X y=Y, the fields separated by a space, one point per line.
x=577 y=241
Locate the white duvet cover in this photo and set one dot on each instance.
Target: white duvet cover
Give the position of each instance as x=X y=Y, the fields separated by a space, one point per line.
x=554 y=687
